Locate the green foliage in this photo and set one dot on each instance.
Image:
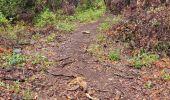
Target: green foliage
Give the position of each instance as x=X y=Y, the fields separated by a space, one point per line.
x=39 y=59
x=166 y=77
x=86 y=4
x=114 y=55
x=105 y=26
x=96 y=50
x=66 y=26
x=45 y=18
x=15 y=87
x=27 y=94
x=11 y=7
x=108 y=23
x=148 y=85
x=162 y=47
x=42 y=60
x=101 y=38
x=89 y=14
x=143 y=59
x=3 y=20
x=51 y=38
x=14 y=59
x=14 y=32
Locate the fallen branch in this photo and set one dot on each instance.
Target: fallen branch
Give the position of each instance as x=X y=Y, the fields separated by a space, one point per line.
x=63 y=59
x=12 y=79
x=123 y=76
x=66 y=63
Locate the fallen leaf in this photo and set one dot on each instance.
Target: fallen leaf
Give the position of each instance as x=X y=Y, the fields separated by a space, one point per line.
x=79 y=81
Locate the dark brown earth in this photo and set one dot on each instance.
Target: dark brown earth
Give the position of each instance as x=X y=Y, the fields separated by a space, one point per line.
x=80 y=76
x=98 y=80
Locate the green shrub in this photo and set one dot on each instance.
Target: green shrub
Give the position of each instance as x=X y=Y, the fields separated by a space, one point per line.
x=89 y=15
x=114 y=55
x=3 y=20
x=11 y=7
x=45 y=18
x=14 y=59
x=144 y=59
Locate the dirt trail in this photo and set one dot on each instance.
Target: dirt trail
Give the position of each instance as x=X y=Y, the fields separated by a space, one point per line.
x=107 y=81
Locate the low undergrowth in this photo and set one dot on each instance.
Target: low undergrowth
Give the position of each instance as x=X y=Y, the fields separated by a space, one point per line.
x=144 y=29
x=143 y=59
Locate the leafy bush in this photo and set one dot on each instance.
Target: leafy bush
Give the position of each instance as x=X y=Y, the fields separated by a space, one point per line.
x=14 y=59
x=11 y=7
x=45 y=18
x=3 y=20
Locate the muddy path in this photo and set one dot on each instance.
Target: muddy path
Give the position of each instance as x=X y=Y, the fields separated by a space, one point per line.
x=81 y=76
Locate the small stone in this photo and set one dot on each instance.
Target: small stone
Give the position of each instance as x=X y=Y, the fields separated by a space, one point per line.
x=86 y=32
x=18 y=50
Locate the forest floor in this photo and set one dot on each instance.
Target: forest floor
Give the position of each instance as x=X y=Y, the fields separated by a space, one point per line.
x=74 y=72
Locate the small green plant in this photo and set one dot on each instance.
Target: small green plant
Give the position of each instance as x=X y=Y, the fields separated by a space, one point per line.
x=101 y=38
x=27 y=94
x=37 y=36
x=15 y=87
x=3 y=20
x=39 y=59
x=51 y=38
x=117 y=19
x=105 y=26
x=42 y=60
x=144 y=59
x=108 y=23
x=166 y=77
x=148 y=85
x=14 y=59
x=96 y=50
x=114 y=55
x=66 y=26
x=2 y=84
x=13 y=32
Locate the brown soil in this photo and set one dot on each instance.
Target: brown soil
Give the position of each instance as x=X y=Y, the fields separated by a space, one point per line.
x=80 y=76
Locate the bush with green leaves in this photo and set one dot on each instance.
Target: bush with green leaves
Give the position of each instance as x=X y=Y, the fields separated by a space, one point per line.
x=3 y=19
x=14 y=59
x=44 y=18
x=11 y=7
